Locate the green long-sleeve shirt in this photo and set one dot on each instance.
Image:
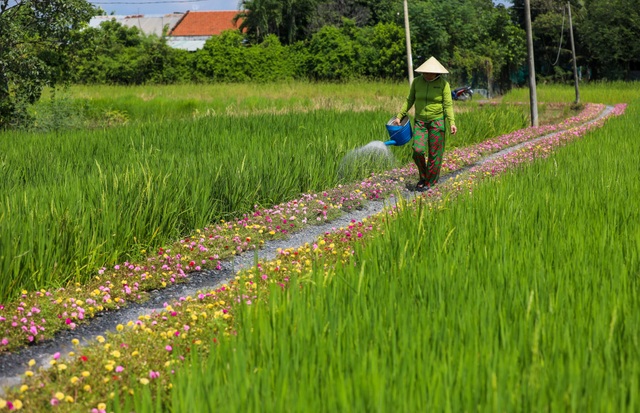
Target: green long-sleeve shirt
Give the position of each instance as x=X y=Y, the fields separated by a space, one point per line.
x=432 y=100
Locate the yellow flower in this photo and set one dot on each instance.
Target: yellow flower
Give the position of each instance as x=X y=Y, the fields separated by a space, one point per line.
x=32 y=363
x=109 y=367
x=3 y=403
x=62 y=367
x=85 y=374
x=86 y=387
x=68 y=399
x=24 y=388
x=144 y=381
x=59 y=395
x=119 y=327
x=17 y=404
x=28 y=373
x=102 y=406
x=135 y=353
x=71 y=354
x=100 y=339
x=115 y=353
x=74 y=380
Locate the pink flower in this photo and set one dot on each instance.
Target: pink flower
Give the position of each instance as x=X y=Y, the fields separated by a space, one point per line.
x=119 y=369
x=168 y=348
x=154 y=374
x=56 y=356
x=54 y=402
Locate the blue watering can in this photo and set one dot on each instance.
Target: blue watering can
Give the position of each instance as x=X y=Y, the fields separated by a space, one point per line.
x=399 y=134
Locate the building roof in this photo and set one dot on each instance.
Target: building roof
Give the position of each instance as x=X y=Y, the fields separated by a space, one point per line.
x=205 y=23
x=190 y=43
x=148 y=24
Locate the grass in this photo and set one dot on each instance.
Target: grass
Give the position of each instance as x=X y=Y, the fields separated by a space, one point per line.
x=595 y=92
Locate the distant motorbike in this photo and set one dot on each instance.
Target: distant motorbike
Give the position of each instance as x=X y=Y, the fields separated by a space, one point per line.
x=462 y=93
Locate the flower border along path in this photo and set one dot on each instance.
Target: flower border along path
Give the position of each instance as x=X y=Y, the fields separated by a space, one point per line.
x=354 y=231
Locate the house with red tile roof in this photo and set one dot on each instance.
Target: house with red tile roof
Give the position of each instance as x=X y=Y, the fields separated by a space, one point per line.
x=196 y=27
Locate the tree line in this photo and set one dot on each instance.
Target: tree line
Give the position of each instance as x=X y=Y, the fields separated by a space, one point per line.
x=46 y=42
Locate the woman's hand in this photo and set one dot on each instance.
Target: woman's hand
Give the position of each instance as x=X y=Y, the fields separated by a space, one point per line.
x=454 y=129
x=396 y=122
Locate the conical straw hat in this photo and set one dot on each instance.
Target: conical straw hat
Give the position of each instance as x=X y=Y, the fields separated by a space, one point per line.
x=431 y=66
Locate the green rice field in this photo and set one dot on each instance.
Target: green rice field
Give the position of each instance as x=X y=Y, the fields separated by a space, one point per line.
x=514 y=291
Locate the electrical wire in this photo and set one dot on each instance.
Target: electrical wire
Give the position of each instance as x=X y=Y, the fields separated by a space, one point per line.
x=564 y=10
x=148 y=2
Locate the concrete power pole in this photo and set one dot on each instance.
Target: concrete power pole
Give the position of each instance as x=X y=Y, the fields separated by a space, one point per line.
x=408 y=36
x=573 y=51
x=533 y=97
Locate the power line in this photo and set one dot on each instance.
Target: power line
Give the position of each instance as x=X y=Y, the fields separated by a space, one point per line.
x=149 y=2
x=561 y=33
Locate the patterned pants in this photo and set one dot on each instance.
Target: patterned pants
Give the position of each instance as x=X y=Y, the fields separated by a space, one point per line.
x=428 y=135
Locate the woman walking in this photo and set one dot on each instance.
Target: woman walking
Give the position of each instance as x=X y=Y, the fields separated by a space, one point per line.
x=432 y=96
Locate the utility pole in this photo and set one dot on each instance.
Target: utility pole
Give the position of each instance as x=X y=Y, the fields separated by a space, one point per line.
x=533 y=97
x=573 y=52
x=407 y=34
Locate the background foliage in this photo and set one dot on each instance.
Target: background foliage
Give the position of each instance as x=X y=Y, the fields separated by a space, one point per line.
x=482 y=43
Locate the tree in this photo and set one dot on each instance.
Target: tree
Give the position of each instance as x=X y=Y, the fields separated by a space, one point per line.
x=334 y=55
x=287 y=19
x=116 y=54
x=33 y=36
x=610 y=30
